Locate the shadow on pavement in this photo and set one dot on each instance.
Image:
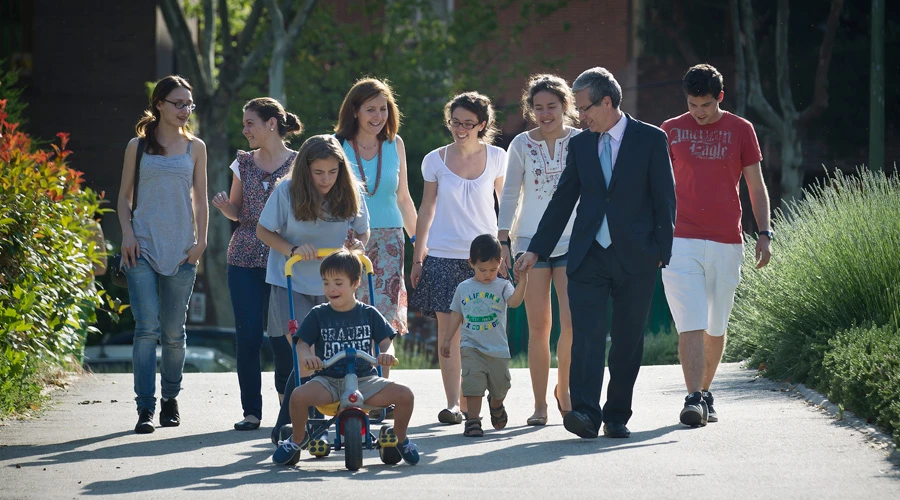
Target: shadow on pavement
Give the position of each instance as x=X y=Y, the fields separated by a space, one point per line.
x=253 y=465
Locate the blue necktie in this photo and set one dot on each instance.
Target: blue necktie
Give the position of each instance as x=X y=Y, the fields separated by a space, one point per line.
x=606 y=164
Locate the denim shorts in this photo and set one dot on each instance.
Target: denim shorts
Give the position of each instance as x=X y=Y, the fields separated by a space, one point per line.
x=551 y=263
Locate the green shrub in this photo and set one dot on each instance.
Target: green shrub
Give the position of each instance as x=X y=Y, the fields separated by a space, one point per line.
x=834 y=267
x=861 y=370
x=46 y=256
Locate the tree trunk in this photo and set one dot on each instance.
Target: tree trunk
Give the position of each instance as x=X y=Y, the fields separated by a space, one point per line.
x=791 y=167
x=215 y=135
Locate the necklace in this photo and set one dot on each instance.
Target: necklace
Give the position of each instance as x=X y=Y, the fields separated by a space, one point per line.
x=362 y=172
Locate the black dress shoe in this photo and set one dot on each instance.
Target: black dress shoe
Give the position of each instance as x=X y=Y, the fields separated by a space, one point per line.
x=245 y=425
x=580 y=424
x=616 y=430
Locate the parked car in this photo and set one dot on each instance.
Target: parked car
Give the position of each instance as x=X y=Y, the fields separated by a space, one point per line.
x=221 y=340
x=117 y=359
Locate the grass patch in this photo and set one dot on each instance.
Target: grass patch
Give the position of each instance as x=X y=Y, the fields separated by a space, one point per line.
x=661 y=348
x=413 y=355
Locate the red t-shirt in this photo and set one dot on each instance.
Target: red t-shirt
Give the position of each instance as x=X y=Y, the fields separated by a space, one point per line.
x=708 y=161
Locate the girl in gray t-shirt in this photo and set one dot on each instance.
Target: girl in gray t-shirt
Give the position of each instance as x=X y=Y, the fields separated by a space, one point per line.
x=320 y=206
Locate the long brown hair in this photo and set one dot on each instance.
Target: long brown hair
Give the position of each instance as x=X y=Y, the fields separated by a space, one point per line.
x=554 y=85
x=146 y=126
x=342 y=201
x=362 y=91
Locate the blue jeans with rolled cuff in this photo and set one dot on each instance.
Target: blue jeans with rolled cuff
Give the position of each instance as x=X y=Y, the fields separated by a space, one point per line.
x=159 y=305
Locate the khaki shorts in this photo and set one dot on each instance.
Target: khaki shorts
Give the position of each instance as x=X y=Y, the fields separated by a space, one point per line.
x=368 y=387
x=481 y=372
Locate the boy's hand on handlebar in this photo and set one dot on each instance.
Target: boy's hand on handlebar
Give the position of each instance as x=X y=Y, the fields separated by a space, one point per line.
x=385 y=359
x=312 y=363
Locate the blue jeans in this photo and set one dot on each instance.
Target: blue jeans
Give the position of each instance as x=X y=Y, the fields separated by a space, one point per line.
x=250 y=302
x=159 y=305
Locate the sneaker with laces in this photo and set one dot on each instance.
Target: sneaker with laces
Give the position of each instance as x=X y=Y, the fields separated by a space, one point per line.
x=145 y=422
x=694 y=413
x=288 y=452
x=168 y=414
x=409 y=452
x=708 y=398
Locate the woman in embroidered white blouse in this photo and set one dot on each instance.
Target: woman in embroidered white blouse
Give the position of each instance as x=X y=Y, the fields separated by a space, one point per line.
x=536 y=159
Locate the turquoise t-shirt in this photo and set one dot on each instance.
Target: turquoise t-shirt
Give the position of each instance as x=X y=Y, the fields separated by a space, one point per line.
x=383 y=209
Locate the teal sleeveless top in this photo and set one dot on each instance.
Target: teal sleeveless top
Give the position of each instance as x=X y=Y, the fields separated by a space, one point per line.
x=383 y=209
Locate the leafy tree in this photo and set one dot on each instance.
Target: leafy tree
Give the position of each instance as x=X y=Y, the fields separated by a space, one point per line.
x=784 y=86
x=786 y=120
x=427 y=55
x=233 y=40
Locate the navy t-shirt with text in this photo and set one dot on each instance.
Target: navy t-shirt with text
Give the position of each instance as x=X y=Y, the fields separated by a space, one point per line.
x=330 y=331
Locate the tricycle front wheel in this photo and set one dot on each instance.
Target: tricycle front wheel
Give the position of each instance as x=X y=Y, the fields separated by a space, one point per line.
x=353 y=448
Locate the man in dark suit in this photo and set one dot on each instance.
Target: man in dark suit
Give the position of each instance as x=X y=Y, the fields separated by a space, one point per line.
x=621 y=172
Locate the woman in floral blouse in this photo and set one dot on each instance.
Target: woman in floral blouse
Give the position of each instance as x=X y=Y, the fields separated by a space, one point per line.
x=266 y=125
x=536 y=161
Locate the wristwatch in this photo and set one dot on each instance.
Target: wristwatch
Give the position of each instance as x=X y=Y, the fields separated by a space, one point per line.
x=770 y=234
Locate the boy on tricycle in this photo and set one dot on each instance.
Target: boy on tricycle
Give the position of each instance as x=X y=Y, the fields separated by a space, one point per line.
x=331 y=328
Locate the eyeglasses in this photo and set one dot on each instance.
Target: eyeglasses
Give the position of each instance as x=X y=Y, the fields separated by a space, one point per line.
x=181 y=105
x=586 y=108
x=466 y=125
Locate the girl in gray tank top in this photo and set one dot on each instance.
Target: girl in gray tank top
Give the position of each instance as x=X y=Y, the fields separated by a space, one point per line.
x=163 y=212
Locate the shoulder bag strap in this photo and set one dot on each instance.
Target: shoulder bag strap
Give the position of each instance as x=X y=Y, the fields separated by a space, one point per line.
x=137 y=173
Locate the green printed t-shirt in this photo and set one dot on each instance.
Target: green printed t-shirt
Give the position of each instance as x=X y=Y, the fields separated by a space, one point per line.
x=483 y=307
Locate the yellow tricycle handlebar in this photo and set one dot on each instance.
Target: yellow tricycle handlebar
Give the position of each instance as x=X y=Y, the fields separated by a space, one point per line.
x=324 y=252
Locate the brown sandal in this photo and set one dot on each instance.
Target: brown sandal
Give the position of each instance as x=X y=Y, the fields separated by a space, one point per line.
x=558 y=404
x=499 y=417
x=473 y=428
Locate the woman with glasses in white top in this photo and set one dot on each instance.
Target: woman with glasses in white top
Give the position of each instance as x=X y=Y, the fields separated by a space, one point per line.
x=536 y=161
x=461 y=180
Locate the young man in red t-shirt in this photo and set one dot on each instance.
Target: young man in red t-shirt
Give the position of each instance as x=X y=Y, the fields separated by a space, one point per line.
x=710 y=149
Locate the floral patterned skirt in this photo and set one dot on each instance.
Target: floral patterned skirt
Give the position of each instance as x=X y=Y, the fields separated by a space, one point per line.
x=436 y=287
x=385 y=250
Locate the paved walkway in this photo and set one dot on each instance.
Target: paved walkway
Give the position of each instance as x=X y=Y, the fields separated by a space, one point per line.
x=769 y=443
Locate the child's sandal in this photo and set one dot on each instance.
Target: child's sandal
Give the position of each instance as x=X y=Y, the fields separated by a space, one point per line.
x=499 y=418
x=473 y=428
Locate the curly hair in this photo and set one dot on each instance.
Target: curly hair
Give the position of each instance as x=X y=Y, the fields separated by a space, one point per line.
x=481 y=106
x=554 y=85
